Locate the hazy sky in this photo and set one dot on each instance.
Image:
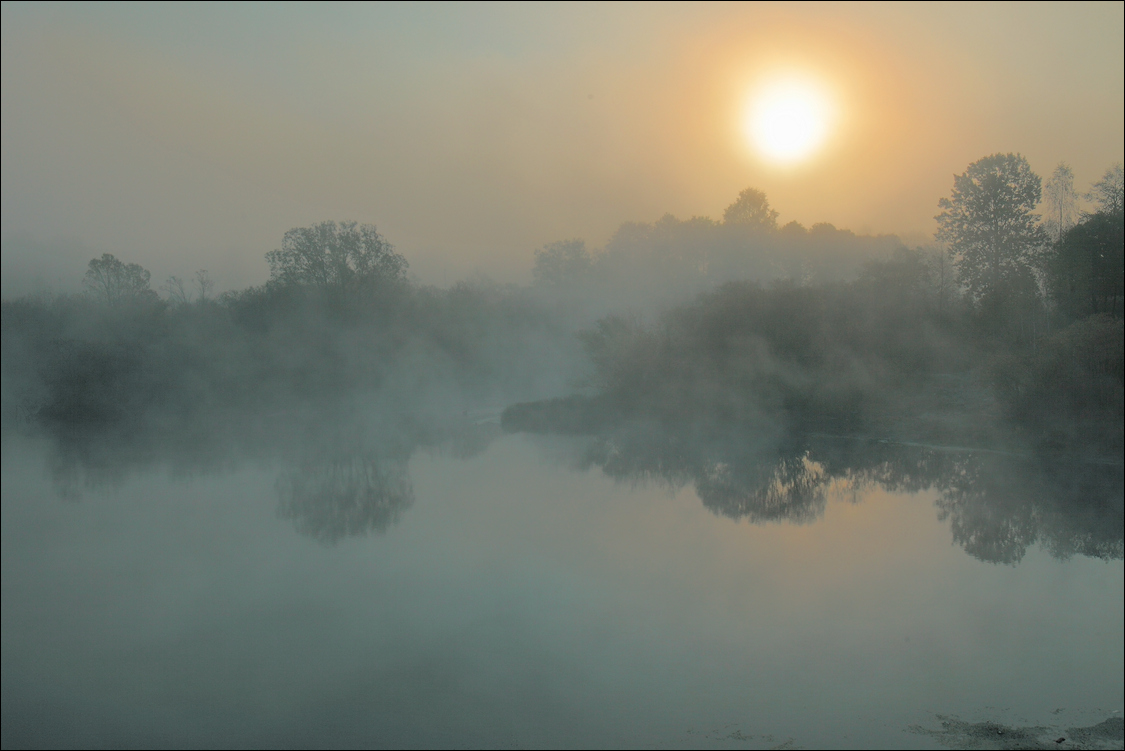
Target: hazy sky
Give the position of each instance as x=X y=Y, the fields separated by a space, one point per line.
x=193 y=136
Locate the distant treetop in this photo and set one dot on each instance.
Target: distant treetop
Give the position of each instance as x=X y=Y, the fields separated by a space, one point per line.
x=117 y=283
x=1109 y=192
x=990 y=226
x=751 y=209
x=562 y=263
x=335 y=256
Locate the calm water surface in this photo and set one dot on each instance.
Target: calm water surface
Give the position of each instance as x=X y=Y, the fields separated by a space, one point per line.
x=546 y=592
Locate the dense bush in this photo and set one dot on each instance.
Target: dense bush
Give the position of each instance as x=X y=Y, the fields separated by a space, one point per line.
x=1069 y=389
x=814 y=355
x=73 y=363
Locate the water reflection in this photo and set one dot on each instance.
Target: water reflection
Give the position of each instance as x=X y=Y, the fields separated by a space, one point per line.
x=736 y=477
x=339 y=476
x=347 y=474
x=345 y=495
x=997 y=503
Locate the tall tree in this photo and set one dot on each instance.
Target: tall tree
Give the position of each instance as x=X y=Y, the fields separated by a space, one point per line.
x=562 y=263
x=751 y=209
x=116 y=283
x=990 y=227
x=1083 y=271
x=1061 y=200
x=336 y=257
x=204 y=284
x=1109 y=192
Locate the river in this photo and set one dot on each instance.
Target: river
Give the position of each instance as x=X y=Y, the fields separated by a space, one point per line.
x=542 y=591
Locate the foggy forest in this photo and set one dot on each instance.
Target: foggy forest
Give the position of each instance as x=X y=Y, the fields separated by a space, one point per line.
x=705 y=331
x=499 y=440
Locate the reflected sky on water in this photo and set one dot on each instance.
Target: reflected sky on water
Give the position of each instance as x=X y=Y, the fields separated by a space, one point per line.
x=471 y=588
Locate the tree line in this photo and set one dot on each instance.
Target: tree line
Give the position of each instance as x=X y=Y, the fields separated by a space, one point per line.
x=1010 y=263
x=740 y=316
x=712 y=336
x=1027 y=312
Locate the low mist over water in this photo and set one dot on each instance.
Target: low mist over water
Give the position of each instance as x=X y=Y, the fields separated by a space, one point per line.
x=590 y=423
x=518 y=600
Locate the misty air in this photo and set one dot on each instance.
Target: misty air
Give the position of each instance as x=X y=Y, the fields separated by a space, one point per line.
x=709 y=376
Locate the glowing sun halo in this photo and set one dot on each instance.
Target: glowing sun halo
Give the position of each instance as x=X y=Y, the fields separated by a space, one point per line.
x=788 y=120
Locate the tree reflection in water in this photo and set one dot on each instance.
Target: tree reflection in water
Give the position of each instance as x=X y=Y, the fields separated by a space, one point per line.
x=734 y=476
x=338 y=477
x=345 y=496
x=997 y=504
x=792 y=490
x=997 y=509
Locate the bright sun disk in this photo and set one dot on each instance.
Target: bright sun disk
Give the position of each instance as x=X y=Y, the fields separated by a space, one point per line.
x=788 y=121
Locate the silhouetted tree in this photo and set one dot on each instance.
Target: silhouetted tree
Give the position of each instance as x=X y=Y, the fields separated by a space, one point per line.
x=204 y=285
x=1062 y=201
x=114 y=282
x=1109 y=192
x=942 y=276
x=562 y=263
x=1085 y=268
x=176 y=291
x=990 y=228
x=338 y=257
x=751 y=209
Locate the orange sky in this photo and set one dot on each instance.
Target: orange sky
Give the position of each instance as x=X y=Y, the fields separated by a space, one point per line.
x=188 y=137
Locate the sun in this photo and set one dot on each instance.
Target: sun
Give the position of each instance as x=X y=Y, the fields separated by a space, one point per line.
x=788 y=120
